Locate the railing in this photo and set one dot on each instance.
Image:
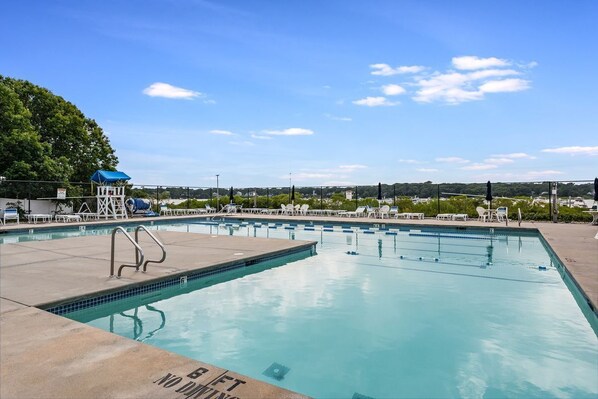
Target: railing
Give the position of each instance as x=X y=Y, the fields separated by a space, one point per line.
x=519 y=216
x=139 y=257
x=138 y=252
x=141 y=227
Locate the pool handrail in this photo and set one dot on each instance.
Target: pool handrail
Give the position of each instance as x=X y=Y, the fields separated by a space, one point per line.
x=138 y=251
x=142 y=227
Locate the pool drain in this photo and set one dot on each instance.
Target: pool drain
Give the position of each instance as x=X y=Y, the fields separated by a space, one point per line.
x=276 y=371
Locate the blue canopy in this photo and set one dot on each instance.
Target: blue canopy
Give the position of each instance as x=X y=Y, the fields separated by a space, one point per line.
x=107 y=176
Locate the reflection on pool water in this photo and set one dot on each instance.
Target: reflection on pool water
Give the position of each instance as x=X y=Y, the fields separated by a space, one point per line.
x=381 y=313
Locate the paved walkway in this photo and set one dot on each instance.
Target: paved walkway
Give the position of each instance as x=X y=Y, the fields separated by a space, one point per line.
x=577 y=249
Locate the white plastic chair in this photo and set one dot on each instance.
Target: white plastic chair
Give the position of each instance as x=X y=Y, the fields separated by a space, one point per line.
x=290 y=209
x=384 y=211
x=371 y=211
x=360 y=211
x=502 y=214
x=11 y=214
x=303 y=209
x=482 y=214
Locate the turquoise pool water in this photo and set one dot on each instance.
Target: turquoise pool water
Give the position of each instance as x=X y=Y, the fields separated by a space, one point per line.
x=383 y=313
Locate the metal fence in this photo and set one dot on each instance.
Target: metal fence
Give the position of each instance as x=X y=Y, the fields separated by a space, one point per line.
x=545 y=200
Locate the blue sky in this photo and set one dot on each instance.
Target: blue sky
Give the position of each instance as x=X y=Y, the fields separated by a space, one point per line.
x=324 y=92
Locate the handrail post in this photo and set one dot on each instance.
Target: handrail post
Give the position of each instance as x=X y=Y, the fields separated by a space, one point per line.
x=142 y=227
x=138 y=251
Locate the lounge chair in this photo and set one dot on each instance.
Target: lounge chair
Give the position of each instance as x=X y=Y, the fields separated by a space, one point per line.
x=67 y=218
x=359 y=212
x=38 y=217
x=303 y=209
x=85 y=213
x=394 y=210
x=230 y=208
x=165 y=210
x=445 y=216
x=11 y=214
x=460 y=216
x=370 y=211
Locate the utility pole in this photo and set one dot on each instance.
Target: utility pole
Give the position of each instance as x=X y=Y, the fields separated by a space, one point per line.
x=217 y=195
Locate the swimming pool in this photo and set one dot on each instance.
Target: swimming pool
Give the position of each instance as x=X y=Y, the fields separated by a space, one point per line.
x=381 y=313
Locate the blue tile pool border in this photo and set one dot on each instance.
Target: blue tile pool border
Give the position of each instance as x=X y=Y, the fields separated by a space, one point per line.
x=190 y=275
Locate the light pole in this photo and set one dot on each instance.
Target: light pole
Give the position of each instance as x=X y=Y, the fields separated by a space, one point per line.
x=217 y=195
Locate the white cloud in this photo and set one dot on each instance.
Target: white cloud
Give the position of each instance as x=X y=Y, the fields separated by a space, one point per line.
x=259 y=137
x=473 y=62
x=387 y=70
x=447 y=87
x=491 y=73
x=480 y=166
x=393 y=90
x=505 y=85
x=427 y=170
x=515 y=155
x=374 y=102
x=352 y=167
x=455 y=87
x=222 y=132
x=471 y=80
x=452 y=160
x=573 y=150
x=293 y=131
x=165 y=90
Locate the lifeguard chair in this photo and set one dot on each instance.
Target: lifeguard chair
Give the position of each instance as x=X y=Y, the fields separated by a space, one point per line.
x=110 y=193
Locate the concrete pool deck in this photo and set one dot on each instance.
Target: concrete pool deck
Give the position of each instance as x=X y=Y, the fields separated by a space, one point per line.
x=44 y=355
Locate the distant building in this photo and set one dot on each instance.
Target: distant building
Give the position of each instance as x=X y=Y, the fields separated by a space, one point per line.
x=349 y=195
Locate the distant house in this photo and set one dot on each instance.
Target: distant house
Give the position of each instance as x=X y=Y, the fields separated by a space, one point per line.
x=349 y=195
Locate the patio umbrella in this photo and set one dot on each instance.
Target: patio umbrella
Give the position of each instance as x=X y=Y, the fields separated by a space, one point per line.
x=293 y=194
x=596 y=189
x=231 y=195
x=379 y=191
x=489 y=194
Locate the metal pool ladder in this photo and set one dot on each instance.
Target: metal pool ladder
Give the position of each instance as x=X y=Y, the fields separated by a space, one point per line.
x=139 y=257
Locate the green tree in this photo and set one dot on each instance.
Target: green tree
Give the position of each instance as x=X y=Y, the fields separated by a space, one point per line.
x=44 y=137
